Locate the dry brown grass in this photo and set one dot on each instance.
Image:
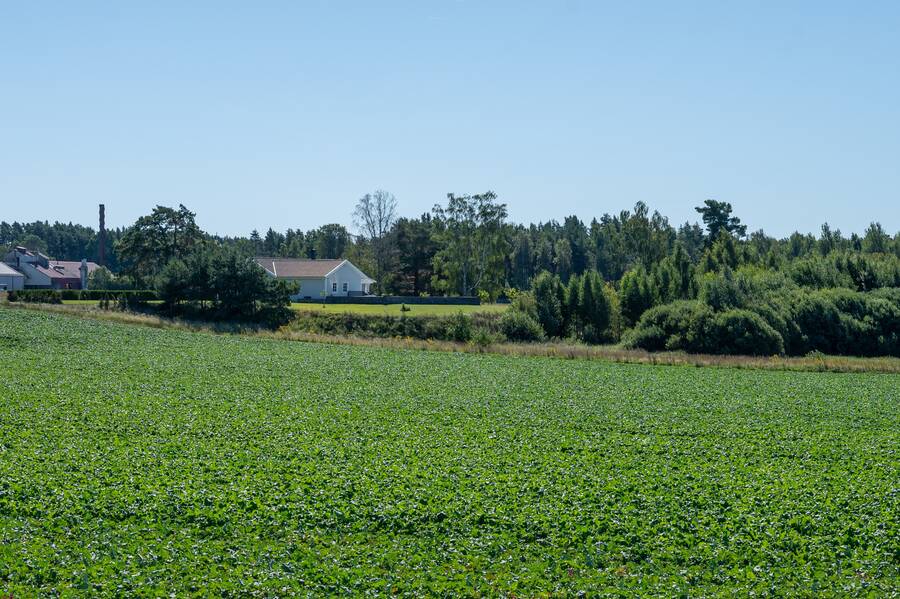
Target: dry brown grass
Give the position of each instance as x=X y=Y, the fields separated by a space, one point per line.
x=571 y=351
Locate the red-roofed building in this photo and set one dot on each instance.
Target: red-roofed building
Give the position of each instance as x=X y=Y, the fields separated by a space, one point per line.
x=43 y=273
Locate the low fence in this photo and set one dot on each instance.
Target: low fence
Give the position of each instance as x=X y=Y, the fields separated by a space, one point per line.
x=392 y=299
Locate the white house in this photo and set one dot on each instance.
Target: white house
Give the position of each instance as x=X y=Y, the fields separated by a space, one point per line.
x=318 y=278
x=10 y=278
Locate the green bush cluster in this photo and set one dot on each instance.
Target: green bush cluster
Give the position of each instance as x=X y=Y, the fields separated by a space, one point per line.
x=694 y=327
x=729 y=318
x=37 y=296
x=222 y=284
x=56 y=296
x=519 y=326
x=458 y=327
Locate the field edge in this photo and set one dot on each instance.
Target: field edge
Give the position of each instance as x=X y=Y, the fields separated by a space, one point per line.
x=570 y=351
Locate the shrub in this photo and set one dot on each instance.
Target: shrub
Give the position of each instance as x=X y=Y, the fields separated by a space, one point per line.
x=648 y=336
x=55 y=296
x=42 y=296
x=519 y=326
x=738 y=332
x=670 y=326
x=832 y=321
x=842 y=321
x=99 y=294
x=691 y=326
x=459 y=327
x=525 y=302
x=442 y=328
x=482 y=338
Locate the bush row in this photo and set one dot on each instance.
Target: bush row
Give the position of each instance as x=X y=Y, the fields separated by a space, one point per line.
x=796 y=322
x=55 y=296
x=457 y=327
x=694 y=327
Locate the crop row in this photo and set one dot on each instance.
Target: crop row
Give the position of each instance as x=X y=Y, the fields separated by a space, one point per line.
x=136 y=461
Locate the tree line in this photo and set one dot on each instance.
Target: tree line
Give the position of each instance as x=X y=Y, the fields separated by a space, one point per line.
x=61 y=241
x=630 y=276
x=466 y=245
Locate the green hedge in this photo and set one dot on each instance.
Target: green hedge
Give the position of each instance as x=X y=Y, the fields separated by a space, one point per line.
x=41 y=296
x=457 y=327
x=693 y=327
x=56 y=296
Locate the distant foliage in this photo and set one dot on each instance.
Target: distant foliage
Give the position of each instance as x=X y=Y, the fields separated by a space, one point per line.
x=591 y=282
x=223 y=284
x=694 y=327
x=637 y=294
x=739 y=314
x=457 y=327
x=519 y=326
x=549 y=302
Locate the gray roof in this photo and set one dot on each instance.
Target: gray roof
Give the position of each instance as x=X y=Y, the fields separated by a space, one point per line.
x=8 y=271
x=293 y=267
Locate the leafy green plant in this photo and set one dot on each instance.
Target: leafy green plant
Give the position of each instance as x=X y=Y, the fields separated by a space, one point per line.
x=137 y=461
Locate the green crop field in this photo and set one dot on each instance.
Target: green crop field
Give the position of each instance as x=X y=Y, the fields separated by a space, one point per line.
x=139 y=461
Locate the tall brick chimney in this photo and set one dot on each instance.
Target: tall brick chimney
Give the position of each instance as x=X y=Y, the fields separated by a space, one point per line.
x=101 y=237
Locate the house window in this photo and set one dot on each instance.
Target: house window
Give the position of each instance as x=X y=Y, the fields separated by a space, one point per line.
x=344 y=288
x=334 y=287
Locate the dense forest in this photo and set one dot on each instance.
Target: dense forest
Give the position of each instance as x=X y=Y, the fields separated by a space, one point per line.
x=632 y=276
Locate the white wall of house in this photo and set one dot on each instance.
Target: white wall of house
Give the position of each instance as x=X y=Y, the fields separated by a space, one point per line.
x=25 y=264
x=33 y=277
x=11 y=282
x=309 y=287
x=345 y=280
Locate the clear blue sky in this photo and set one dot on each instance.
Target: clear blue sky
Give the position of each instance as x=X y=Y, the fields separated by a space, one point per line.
x=282 y=114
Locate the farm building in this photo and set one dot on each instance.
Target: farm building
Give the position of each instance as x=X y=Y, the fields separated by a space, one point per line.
x=40 y=272
x=318 y=278
x=10 y=278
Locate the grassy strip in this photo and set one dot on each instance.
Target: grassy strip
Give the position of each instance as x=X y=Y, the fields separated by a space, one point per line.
x=609 y=353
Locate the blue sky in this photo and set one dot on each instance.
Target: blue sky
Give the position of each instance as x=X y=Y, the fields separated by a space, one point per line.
x=283 y=114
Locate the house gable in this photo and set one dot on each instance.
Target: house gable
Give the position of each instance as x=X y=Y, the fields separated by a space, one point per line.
x=347 y=264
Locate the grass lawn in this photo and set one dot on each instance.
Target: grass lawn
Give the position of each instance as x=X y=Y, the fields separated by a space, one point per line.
x=137 y=461
x=394 y=309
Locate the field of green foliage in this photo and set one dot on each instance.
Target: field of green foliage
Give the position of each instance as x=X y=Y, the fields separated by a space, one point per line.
x=138 y=461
